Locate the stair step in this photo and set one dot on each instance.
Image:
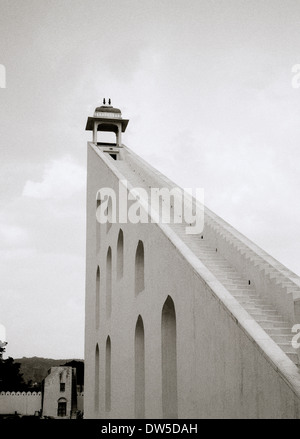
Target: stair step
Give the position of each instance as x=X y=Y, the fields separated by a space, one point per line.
x=243 y=294
x=266 y=313
x=228 y=280
x=273 y=331
x=281 y=338
x=237 y=288
x=259 y=308
x=256 y=305
x=269 y=324
x=222 y=270
x=220 y=263
x=272 y=319
x=229 y=277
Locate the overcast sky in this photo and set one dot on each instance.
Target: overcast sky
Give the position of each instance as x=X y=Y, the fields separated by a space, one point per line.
x=207 y=86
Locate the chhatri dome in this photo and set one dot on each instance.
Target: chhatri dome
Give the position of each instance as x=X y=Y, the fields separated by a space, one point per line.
x=107 y=110
x=107 y=118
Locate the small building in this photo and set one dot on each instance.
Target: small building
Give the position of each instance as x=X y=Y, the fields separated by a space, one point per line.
x=60 y=393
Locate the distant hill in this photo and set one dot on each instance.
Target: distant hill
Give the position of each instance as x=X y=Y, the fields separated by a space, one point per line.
x=35 y=369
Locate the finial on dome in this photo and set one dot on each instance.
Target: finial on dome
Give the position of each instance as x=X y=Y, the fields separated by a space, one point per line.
x=109 y=101
x=104 y=101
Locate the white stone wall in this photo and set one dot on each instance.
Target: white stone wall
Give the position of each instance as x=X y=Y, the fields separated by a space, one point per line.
x=80 y=398
x=226 y=367
x=52 y=393
x=24 y=403
x=27 y=403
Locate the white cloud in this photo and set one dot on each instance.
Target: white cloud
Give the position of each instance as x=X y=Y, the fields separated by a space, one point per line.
x=62 y=178
x=2 y=333
x=13 y=235
x=209 y=97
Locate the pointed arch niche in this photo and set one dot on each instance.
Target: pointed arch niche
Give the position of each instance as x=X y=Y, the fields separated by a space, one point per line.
x=120 y=255
x=108 y=283
x=139 y=268
x=97 y=372
x=108 y=375
x=97 y=307
x=139 y=369
x=169 y=360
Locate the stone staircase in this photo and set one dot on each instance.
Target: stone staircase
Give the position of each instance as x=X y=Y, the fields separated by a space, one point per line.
x=258 y=307
x=275 y=271
x=263 y=312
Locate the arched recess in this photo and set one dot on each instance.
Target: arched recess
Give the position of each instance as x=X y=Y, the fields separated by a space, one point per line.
x=97 y=307
x=108 y=127
x=108 y=283
x=120 y=255
x=107 y=138
x=139 y=268
x=169 y=360
x=62 y=407
x=97 y=373
x=139 y=369
x=108 y=375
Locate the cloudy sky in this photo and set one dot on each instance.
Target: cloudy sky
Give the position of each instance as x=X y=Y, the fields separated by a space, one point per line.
x=208 y=88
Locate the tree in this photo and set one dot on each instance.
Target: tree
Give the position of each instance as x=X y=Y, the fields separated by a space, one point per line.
x=10 y=377
x=2 y=347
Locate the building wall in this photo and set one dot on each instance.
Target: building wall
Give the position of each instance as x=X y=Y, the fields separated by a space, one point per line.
x=221 y=365
x=80 y=398
x=24 y=403
x=52 y=392
x=27 y=403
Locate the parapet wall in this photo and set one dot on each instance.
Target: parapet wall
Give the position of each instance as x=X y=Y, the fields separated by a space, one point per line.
x=270 y=278
x=24 y=403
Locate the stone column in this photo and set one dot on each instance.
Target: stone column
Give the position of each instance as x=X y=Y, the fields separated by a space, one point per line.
x=95 y=132
x=119 y=136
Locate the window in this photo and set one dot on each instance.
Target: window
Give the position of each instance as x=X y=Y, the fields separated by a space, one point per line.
x=62 y=407
x=62 y=387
